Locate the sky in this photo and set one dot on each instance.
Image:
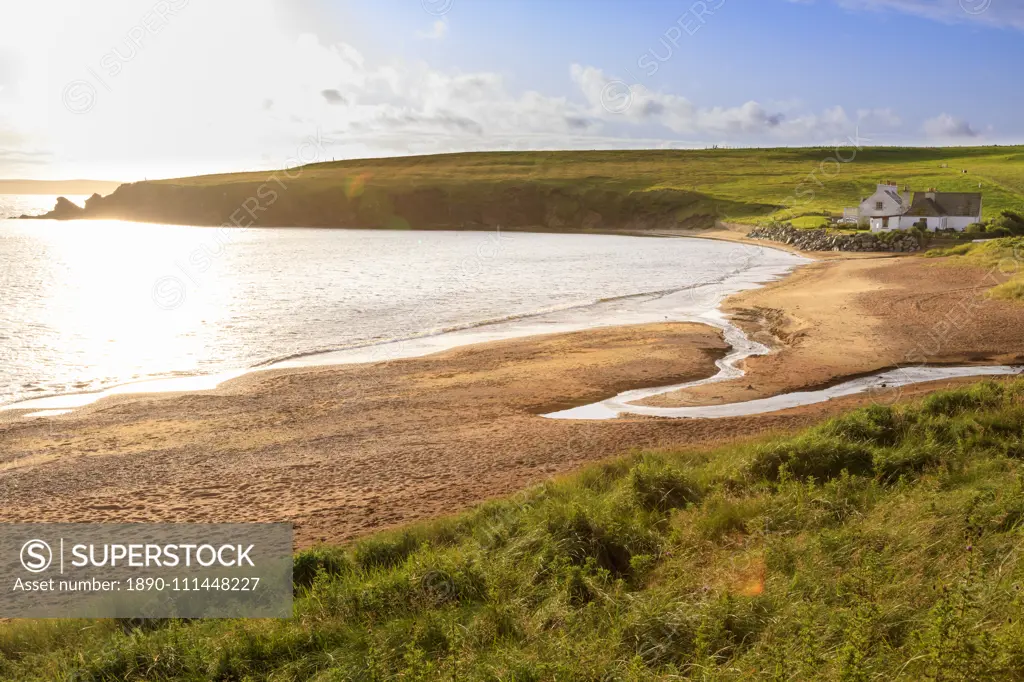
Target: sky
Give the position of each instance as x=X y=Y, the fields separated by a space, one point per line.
x=134 y=89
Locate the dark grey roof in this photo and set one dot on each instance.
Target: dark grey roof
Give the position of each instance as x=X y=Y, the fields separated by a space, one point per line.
x=958 y=204
x=895 y=196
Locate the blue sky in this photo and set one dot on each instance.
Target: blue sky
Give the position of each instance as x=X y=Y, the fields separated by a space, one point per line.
x=148 y=88
x=920 y=60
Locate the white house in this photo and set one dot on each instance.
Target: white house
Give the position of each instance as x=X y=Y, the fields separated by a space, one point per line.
x=890 y=209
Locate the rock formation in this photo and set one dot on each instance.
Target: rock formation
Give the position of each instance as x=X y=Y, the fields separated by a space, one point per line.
x=822 y=240
x=64 y=210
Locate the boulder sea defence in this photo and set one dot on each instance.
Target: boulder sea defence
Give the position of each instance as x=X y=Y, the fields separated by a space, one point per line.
x=822 y=240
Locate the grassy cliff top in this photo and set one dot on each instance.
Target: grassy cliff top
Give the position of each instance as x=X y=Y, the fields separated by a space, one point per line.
x=743 y=184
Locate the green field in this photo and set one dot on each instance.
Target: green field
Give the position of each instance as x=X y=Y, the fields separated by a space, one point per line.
x=884 y=544
x=578 y=190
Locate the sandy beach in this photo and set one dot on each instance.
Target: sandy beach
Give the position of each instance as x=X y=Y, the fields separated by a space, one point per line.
x=343 y=451
x=840 y=318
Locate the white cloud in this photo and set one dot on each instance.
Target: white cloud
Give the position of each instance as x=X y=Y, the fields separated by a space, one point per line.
x=945 y=126
x=438 y=30
x=996 y=13
x=610 y=99
x=263 y=91
x=885 y=117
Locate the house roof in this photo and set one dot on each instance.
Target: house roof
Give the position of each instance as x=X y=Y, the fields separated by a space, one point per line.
x=890 y=191
x=961 y=204
x=895 y=196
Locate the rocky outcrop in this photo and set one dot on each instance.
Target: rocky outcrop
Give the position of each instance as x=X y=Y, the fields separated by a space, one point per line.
x=823 y=240
x=64 y=210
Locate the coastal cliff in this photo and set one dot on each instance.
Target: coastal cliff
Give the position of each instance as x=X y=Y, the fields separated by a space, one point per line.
x=562 y=190
x=577 y=191
x=519 y=205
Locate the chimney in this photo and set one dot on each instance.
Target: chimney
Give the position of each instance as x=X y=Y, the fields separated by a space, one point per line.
x=930 y=193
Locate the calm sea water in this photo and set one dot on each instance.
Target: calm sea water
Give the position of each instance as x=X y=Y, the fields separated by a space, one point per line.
x=92 y=304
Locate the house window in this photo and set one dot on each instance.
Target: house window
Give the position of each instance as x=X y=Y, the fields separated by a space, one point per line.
x=879 y=205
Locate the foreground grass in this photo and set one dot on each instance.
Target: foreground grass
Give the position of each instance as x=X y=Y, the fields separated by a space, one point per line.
x=1004 y=256
x=574 y=190
x=884 y=544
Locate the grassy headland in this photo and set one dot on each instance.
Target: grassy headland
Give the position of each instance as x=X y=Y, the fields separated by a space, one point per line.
x=585 y=190
x=883 y=544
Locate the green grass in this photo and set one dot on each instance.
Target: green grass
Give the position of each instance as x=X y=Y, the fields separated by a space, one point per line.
x=581 y=189
x=809 y=222
x=1003 y=256
x=883 y=544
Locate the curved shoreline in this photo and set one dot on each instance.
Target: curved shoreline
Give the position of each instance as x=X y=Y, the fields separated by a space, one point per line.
x=343 y=451
x=897 y=378
x=516 y=326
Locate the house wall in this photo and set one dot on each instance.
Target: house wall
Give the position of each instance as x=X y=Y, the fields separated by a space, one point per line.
x=887 y=224
x=907 y=222
x=944 y=223
x=890 y=207
x=961 y=223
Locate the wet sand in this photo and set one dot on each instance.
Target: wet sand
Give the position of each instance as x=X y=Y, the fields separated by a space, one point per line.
x=343 y=451
x=839 y=318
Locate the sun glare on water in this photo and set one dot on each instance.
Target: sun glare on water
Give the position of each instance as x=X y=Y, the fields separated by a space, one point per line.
x=99 y=295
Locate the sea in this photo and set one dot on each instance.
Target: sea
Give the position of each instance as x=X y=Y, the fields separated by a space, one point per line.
x=94 y=306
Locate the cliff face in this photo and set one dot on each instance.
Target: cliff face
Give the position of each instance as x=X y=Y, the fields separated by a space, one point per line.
x=520 y=205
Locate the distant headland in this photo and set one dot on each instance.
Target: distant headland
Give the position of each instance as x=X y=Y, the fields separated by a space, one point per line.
x=53 y=187
x=569 y=191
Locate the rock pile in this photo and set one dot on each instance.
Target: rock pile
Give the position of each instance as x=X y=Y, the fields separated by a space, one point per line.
x=822 y=240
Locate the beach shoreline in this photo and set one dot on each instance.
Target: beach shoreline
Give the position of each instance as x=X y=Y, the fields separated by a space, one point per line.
x=415 y=346
x=342 y=451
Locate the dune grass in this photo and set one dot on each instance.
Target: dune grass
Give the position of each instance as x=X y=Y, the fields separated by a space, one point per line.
x=883 y=544
x=1003 y=256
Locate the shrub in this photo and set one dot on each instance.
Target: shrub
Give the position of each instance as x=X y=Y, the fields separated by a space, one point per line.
x=310 y=562
x=921 y=233
x=1009 y=222
x=385 y=551
x=721 y=516
x=877 y=424
x=1007 y=422
x=661 y=488
x=907 y=461
x=813 y=456
x=608 y=536
x=948 y=432
x=448 y=578
x=952 y=403
x=659 y=634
